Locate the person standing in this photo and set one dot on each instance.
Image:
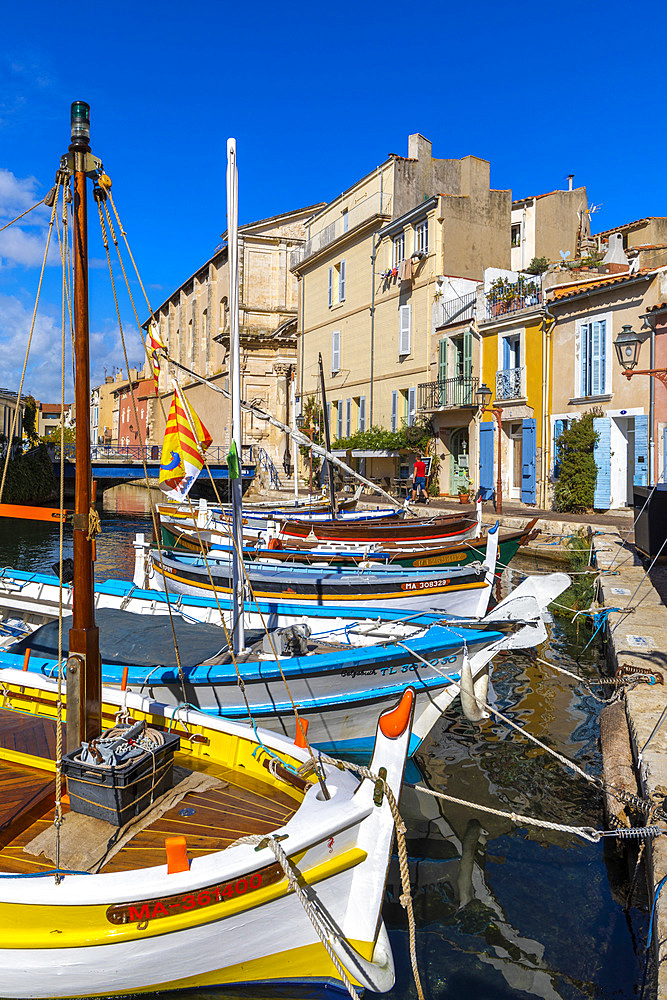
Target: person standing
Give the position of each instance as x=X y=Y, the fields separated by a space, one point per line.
x=419 y=479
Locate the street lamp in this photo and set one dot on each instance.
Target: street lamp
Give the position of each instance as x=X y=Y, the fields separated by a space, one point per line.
x=627 y=346
x=483 y=394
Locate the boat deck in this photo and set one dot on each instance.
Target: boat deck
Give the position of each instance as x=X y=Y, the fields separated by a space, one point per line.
x=239 y=805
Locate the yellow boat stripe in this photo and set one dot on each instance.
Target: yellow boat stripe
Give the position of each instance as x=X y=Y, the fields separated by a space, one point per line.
x=29 y=925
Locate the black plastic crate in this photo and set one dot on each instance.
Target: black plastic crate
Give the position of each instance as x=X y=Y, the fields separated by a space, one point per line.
x=117 y=794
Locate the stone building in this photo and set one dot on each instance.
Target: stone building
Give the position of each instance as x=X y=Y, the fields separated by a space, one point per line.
x=193 y=323
x=370 y=273
x=549 y=225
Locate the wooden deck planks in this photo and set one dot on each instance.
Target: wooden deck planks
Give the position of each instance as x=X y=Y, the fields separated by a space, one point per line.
x=28 y=734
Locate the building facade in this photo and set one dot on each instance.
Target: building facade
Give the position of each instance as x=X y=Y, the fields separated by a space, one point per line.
x=553 y=225
x=370 y=272
x=193 y=323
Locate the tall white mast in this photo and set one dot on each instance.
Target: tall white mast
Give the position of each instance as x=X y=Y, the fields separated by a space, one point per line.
x=236 y=485
x=295 y=447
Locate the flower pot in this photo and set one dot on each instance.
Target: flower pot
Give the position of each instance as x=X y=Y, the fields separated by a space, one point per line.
x=464 y=497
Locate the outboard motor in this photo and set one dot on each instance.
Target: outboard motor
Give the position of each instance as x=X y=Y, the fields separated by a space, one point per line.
x=290 y=641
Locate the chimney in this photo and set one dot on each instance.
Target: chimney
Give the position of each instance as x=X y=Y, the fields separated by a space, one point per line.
x=418 y=147
x=615 y=260
x=570 y=178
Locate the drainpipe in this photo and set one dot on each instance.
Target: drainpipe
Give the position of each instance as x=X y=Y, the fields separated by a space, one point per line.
x=546 y=345
x=523 y=238
x=374 y=246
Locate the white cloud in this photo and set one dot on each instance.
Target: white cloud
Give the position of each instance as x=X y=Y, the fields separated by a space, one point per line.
x=44 y=364
x=22 y=244
x=16 y=194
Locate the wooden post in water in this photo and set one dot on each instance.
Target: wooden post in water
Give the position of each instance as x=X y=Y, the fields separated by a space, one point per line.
x=83 y=666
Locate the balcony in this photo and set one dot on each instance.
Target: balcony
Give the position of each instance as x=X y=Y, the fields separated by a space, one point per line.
x=378 y=204
x=512 y=298
x=509 y=384
x=461 y=308
x=448 y=393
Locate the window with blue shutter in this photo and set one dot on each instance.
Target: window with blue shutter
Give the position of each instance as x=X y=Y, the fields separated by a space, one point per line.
x=394 y=409
x=593 y=358
x=404 y=321
x=486 y=459
x=348 y=417
x=602 y=456
x=335 y=351
x=339 y=421
x=412 y=406
x=640 y=477
x=559 y=427
x=341 y=282
x=529 y=460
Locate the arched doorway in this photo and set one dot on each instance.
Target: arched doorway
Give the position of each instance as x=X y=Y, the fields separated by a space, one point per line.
x=459 y=460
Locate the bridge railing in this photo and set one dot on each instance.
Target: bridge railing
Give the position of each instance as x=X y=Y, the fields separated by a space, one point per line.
x=215 y=455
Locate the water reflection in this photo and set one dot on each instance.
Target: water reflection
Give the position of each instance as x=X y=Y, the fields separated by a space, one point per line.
x=502 y=912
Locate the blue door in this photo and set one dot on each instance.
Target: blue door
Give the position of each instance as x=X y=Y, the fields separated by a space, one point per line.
x=529 y=460
x=602 y=456
x=486 y=459
x=640 y=477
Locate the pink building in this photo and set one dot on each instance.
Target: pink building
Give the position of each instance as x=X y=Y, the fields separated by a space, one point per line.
x=132 y=427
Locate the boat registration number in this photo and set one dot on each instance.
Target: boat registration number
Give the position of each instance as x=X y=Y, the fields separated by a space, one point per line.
x=143 y=911
x=438 y=560
x=425 y=585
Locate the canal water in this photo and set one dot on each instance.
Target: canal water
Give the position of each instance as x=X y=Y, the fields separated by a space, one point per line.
x=502 y=911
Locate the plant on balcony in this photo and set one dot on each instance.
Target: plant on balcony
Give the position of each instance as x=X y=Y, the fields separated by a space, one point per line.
x=538 y=265
x=465 y=491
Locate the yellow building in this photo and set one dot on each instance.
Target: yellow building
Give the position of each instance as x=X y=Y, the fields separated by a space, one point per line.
x=369 y=275
x=517 y=366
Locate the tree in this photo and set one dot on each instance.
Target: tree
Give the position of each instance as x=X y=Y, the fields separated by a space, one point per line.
x=30 y=420
x=575 y=486
x=53 y=437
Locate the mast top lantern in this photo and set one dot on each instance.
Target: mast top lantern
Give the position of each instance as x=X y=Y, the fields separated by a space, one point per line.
x=80 y=118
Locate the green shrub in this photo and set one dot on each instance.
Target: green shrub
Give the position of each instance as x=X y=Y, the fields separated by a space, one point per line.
x=30 y=478
x=579 y=595
x=575 y=486
x=538 y=265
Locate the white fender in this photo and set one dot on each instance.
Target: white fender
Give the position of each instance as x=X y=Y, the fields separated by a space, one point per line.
x=472 y=709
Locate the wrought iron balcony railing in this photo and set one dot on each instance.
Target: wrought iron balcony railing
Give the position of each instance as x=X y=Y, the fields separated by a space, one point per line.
x=458 y=309
x=509 y=383
x=503 y=303
x=449 y=392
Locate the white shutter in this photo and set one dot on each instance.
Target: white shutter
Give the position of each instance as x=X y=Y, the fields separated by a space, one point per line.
x=335 y=351
x=412 y=406
x=394 y=410
x=404 y=317
x=330 y=287
x=348 y=417
x=341 y=282
x=362 y=413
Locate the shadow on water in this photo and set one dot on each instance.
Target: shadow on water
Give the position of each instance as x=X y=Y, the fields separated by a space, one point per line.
x=502 y=911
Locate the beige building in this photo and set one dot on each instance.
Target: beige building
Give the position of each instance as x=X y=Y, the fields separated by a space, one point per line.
x=371 y=271
x=49 y=417
x=548 y=225
x=194 y=325
x=102 y=411
x=590 y=314
x=642 y=233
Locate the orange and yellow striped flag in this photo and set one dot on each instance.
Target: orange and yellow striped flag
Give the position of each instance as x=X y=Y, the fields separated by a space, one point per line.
x=155 y=345
x=185 y=442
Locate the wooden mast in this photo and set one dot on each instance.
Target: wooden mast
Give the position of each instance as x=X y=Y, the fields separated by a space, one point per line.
x=83 y=664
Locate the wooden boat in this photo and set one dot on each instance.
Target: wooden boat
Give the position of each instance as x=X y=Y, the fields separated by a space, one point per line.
x=203 y=887
x=458 y=590
x=297 y=551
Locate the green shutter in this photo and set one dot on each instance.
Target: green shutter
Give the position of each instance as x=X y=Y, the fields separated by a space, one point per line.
x=467 y=367
x=442 y=371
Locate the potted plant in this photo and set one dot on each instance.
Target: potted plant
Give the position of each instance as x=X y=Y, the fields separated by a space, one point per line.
x=465 y=489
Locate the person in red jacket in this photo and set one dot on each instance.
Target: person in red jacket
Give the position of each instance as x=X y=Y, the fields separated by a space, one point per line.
x=419 y=479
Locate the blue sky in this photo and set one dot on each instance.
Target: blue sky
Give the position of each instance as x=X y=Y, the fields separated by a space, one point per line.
x=316 y=96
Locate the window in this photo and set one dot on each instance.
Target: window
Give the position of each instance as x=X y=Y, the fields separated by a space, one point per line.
x=348 y=417
x=204 y=329
x=345 y=220
x=398 y=251
x=421 y=237
x=336 y=283
x=362 y=413
x=339 y=422
x=516 y=235
x=394 y=410
x=335 y=352
x=404 y=329
x=593 y=357
x=412 y=406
